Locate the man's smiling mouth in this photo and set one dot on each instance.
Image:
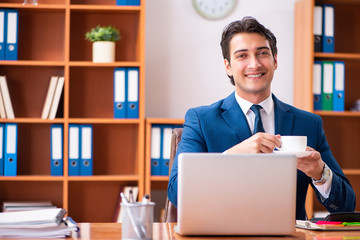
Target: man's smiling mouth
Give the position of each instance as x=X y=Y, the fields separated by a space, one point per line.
x=254 y=75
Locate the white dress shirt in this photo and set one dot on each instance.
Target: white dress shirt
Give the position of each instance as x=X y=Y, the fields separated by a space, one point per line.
x=268 y=119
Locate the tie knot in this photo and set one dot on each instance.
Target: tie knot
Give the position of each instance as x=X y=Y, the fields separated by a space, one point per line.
x=256 y=109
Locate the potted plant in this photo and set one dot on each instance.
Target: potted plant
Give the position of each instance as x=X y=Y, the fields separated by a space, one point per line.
x=103 y=43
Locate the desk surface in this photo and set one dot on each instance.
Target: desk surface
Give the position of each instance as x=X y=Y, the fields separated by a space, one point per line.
x=97 y=231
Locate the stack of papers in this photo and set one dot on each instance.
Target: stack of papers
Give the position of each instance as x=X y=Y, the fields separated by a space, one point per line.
x=45 y=223
x=328 y=225
x=23 y=206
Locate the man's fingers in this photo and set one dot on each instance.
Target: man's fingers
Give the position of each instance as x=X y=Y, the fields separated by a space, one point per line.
x=266 y=143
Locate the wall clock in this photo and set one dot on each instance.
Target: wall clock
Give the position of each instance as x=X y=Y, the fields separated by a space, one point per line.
x=214 y=9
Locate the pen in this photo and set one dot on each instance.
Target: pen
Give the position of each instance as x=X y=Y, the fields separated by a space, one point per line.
x=145 y=199
x=131 y=196
x=123 y=198
x=144 y=212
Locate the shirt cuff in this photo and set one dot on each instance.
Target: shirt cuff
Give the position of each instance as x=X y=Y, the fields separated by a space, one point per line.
x=325 y=188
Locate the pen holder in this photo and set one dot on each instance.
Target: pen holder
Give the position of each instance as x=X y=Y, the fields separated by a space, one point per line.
x=137 y=220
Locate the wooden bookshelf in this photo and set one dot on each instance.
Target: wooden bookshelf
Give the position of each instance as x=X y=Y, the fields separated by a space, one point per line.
x=156 y=183
x=341 y=128
x=51 y=42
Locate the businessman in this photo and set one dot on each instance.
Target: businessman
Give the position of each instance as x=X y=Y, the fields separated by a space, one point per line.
x=252 y=120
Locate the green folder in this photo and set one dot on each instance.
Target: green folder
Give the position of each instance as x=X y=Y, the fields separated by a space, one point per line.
x=327 y=85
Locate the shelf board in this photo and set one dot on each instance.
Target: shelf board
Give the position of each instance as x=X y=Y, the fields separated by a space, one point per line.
x=72 y=178
x=33 y=120
x=98 y=178
x=71 y=63
x=165 y=121
x=86 y=7
x=338 y=114
x=83 y=7
x=113 y=64
x=72 y=120
x=159 y=178
x=33 y=63
x=31 y=6
x=338 y=55
x=351 y=171
x=34 y=178
x=104 y=120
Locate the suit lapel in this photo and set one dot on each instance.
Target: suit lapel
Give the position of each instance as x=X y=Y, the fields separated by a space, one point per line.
x=235 y=117
x=283 y=118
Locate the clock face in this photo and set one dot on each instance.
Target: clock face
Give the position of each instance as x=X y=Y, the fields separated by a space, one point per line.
x=214 y=9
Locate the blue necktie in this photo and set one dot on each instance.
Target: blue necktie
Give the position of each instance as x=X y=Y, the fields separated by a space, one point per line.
x=258 y=126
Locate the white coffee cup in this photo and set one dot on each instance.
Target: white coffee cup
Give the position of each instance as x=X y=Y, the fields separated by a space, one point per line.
x=293 y=144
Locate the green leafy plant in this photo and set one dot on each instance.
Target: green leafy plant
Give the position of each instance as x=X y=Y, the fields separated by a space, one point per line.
x=108 y=33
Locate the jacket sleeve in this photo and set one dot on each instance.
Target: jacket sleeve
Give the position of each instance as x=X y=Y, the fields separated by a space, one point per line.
x=342 y=197
x=192 y=140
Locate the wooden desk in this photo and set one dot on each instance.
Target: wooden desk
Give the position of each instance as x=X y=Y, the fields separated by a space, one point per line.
x=97 y=231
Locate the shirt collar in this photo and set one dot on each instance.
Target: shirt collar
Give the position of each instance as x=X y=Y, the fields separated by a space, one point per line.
x=267 y=104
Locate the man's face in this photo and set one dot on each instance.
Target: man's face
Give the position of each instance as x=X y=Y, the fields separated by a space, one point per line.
x=251 y=65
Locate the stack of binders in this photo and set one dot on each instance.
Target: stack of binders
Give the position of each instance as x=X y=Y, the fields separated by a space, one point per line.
x=128 y=2
x=9 y=34
x=160 y=148
x=126 y=92
x=324 y=28
x=8 y=146
x=80 y=150
x=329 y=85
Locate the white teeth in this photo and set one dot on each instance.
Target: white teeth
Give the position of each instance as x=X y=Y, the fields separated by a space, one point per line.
x=257 y=75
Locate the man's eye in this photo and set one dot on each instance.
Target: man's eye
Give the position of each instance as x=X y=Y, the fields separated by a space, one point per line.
x=264 y=53
x=241 y=56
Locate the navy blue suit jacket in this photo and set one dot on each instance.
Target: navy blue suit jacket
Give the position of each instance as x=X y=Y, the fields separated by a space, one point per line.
x=220 y=126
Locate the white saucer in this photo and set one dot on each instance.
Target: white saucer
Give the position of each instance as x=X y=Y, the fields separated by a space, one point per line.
x=297 y=154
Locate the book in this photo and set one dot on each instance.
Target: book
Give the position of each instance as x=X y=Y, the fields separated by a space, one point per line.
x=56 y=100
x=11 y=206
x=49 y=97
x=2 y=107
x=6 y=98
x=118 y=205
x=51 y=217
x=327 y=225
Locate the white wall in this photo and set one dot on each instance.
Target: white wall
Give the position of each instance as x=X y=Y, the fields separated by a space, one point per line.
x=184 y=64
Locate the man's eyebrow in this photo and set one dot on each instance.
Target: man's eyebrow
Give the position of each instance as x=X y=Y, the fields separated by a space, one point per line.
x=264 y=47
x=240 y=50
x=246 y=50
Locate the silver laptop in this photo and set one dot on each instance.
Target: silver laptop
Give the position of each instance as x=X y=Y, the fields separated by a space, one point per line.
x=226 y=194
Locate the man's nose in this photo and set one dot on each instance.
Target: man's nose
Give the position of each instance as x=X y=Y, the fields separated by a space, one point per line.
x=254 y=62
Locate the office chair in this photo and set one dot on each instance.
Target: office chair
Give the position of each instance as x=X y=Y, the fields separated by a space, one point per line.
x=170 y=214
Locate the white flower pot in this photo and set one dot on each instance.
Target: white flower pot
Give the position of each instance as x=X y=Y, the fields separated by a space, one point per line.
x=103 y=52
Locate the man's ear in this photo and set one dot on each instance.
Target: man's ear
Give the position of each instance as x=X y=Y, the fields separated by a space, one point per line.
x=227 y=67
x=275 y=62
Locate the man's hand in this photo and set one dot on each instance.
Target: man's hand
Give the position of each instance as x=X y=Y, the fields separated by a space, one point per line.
x=311 y=165
x=258 y=143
